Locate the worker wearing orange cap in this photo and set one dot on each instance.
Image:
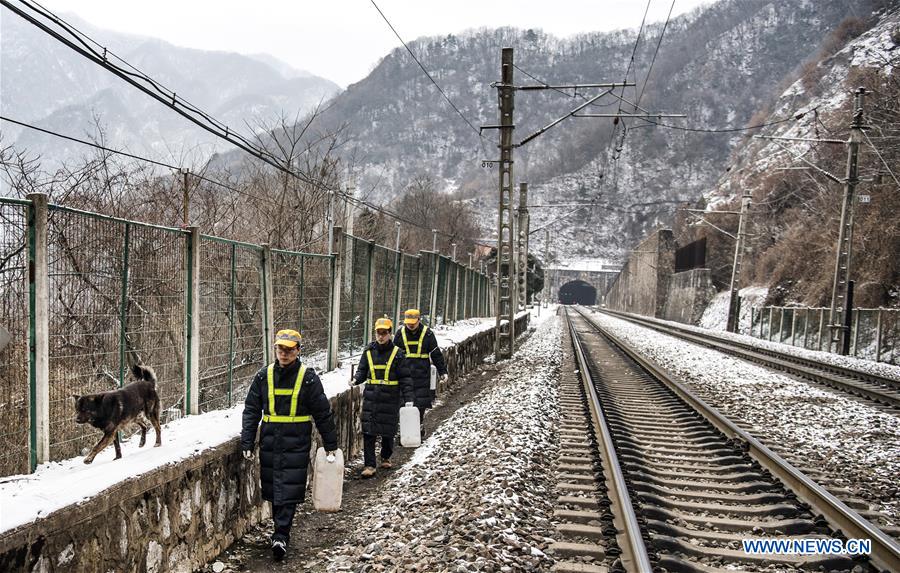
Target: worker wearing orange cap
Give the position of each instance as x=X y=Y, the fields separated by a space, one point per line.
x=384 y=370
x=287 y=395
x=422 y=350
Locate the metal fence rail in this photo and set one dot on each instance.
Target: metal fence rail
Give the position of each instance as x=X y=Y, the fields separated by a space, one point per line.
x=874 y=332
x=200 y=310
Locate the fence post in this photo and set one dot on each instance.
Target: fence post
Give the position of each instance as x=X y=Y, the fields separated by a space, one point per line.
x=231 y=294
x=458 y=268
x=821 y=326
x=334 y=319
x=370 y=291
x=855 y=330
x=446 y=292
x=771 y=313
x=878 y=325
x=268 y=294
x=192 y=325
x=781 y=336
x=465 y=304
x=419 y=280
x=434 y=287
x=123 y=304
x=398 y=294
x=38 y=332
x=793 y=326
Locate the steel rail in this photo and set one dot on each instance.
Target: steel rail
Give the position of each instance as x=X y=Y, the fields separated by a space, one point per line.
x=635 y=551
x=797 y=365
x=885 y=550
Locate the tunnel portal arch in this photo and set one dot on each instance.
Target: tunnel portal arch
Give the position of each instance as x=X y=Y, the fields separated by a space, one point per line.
x=578 y=292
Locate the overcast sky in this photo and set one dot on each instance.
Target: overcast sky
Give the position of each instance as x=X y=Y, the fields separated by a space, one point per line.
x=342 y=40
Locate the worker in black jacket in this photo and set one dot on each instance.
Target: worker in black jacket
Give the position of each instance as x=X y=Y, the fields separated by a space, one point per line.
x=383 y=368
x=421 y=348
x=287 y=395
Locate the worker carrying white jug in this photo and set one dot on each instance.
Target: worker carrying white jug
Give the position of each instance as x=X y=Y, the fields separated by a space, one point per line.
x=421 y=348
x=384 y=370
x=288 y=396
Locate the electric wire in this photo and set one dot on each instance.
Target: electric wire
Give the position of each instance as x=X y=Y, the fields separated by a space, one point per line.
x=131 y=156
x=653 y=60
x=875 y=149
x=216 y=128
x=425 y=71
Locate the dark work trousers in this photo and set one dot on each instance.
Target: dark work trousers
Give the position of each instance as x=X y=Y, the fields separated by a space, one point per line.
x=422 y=410
x=387 y=448
x=283 y=516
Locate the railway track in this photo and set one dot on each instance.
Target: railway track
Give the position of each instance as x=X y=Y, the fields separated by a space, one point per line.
x=880 y=389
x=672 y=485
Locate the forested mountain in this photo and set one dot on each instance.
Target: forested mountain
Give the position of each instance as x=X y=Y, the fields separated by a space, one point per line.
x=796 y=209
x=721 y=65
x=48 y=84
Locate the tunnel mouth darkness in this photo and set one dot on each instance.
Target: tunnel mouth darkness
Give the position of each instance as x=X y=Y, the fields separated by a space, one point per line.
x=577 y=292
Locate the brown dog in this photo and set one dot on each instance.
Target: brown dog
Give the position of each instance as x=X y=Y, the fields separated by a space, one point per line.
x=111 y=411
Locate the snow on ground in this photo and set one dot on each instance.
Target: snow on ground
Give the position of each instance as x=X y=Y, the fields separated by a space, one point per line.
x=26 y=498
x=715 y=317
x=842 y=437
x=478 y=494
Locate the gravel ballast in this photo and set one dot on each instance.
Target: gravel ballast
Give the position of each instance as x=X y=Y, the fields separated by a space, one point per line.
x=478 y=494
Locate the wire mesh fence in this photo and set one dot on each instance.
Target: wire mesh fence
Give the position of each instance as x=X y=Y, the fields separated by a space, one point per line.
x=384 y=287
x=409 y=293
x=14 y=319
x=427 y=263
x=231 y=321
x=874 y=333
x=301 y=286
x=354 y=296
x=119 y=293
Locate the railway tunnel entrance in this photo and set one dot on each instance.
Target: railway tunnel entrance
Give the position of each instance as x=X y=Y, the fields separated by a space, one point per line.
x=577 y=292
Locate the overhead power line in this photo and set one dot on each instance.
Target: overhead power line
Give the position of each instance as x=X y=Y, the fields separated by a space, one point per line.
x=425 y=71
x=81 y=43
x=129 y=155
x=655 y=52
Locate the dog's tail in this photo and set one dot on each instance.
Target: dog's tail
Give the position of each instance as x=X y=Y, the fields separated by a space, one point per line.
x=142 y=372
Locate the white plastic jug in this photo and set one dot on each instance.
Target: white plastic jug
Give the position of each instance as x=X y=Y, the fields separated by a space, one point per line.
x=410 y=434
x=328 y=482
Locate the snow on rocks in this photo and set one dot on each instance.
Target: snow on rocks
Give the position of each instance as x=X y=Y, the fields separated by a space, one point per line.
x=477 y=495
x=853 y=442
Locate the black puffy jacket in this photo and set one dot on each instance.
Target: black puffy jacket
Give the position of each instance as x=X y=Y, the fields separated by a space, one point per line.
x=284 y=447
x=420 y=368
x=381 y=402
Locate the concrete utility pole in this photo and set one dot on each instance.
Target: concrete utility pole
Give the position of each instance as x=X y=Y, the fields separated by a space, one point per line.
x=840 y=334
x=507 y=281
x=506 y=314
x=522 y=247
x=734 y=301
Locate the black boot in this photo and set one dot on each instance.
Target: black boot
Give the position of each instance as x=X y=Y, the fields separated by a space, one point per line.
x=279 y=549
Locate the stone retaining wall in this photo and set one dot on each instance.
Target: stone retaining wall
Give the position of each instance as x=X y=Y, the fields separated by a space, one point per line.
x=176 y=518
x=689 y=293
